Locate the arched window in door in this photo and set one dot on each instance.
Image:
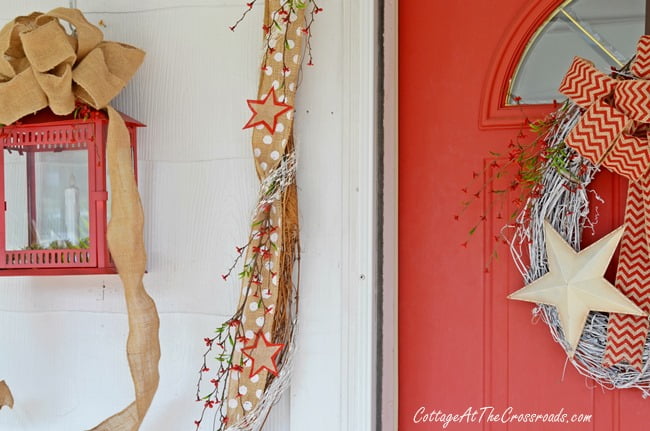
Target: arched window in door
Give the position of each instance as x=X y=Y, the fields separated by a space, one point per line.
x=602 y=31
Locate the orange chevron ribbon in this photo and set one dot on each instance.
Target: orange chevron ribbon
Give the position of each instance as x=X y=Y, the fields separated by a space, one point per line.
x=626 y=334
x=641 y=65
x=629 y=157
x=597 y=131
x=632 y=99
x=613 y=132
x=584 y=84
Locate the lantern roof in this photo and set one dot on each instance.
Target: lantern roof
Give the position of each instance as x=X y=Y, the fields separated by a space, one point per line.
x=45 y=116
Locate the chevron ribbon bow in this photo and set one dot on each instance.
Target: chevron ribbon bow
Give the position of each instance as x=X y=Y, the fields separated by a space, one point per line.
x=613 y=132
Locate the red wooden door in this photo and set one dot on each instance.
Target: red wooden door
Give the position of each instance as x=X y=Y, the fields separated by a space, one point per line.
x=463 y=347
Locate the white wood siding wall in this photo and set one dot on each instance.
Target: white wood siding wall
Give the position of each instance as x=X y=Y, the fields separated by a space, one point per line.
x=62 y=340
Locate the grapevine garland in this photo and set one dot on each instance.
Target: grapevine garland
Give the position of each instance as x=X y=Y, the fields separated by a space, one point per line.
x=247 y=363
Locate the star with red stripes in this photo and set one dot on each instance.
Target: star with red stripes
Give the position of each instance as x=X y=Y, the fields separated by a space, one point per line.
x=266 y=111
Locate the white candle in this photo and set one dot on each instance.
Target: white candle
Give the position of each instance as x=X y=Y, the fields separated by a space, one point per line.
x=72 y=211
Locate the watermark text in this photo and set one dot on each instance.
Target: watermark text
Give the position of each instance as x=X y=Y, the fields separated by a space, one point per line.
x=490 y=414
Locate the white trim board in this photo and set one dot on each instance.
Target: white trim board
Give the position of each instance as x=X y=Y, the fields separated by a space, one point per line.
x=360 y=279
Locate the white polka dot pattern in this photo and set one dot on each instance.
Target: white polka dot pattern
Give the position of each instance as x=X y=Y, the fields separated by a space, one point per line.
x=280 y=70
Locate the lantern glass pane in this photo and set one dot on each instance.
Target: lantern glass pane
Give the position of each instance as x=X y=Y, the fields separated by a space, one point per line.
x=603 y=31
x=61 y=217
x=15 y=165
x=47 y=200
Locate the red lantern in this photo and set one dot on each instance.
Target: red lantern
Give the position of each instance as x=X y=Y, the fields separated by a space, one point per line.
x=56 y=194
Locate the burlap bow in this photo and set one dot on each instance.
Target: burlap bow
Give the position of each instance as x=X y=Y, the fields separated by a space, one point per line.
x=43 y=65
x=613 y=132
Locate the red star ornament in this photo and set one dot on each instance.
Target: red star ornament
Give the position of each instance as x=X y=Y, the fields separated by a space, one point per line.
x=266 y=111
x=263 y=355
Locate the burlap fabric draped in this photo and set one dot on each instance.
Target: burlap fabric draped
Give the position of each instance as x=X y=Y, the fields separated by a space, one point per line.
x=42 y=65
x=6 y=399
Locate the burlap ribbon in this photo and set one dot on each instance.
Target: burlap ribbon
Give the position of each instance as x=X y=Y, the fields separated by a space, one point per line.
x=613 y=132
x=283 y=36
x=44 y=66
x=6 y=398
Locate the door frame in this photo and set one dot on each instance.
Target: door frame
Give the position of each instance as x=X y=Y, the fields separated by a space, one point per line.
x=388 y=352
x=361 y=197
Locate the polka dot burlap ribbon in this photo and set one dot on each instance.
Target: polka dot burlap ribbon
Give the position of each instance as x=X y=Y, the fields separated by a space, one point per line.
x=272 y=144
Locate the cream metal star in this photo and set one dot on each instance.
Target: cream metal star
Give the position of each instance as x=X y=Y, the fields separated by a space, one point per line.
x=575 y=283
